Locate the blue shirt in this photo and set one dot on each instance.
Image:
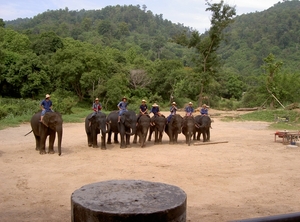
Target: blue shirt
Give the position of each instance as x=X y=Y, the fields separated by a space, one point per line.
x=173 y=110
x=122 y=105
x=189 y=109
x=46 y=104
x=204 y=111
x=154 y=110
x=143 y=108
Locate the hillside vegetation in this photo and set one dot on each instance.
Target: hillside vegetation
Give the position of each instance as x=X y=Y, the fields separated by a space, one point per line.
x=127 y=50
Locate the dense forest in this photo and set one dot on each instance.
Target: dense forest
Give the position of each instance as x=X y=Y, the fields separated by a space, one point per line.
x=127 y=50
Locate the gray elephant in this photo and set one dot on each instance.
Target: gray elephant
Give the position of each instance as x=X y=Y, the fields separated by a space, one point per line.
x=202 y=126
x=188 y=128
x=94 y=125
x=54 y=121
x=157 y=126
x=126 y=127
x=142 y=129
x=173 y=128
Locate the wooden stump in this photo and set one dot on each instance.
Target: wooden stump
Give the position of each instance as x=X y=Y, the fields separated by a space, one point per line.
x=128 y=201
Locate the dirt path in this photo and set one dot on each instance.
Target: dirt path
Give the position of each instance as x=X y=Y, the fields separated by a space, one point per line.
x=249 y=176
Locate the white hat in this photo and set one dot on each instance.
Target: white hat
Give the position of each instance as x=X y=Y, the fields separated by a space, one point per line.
x=190 y=103
x=97 y=99
x=143 y=100
x=173 y=103
x=47 y=96
x=155 y=105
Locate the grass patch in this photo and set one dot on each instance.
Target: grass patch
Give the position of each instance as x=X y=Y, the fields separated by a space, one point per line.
x=275 y=117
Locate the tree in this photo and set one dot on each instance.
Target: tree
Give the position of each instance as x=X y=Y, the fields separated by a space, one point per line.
x=2 y=23
x=206 y=46
x=272 y=68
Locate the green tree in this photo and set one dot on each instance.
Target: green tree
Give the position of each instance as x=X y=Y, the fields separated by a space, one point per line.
x=206 y=46
x=47 y=42
x=2 y=23
x=272 y=68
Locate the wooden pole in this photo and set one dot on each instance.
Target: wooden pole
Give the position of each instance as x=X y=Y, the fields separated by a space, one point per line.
x=208 y=143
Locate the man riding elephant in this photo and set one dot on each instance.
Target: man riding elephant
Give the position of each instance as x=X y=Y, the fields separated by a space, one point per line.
x=46 y=106
x=122 y=106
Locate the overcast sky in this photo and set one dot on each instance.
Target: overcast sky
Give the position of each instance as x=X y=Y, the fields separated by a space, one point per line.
x=187 y=12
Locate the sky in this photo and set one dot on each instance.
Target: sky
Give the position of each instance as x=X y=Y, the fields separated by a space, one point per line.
x=187 y=12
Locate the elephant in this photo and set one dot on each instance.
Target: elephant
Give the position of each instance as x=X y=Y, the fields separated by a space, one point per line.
x=54 y=122
x=173 y=128
x=126 y=127
x=188 y=128
x=94 y=125
x=158 y=124
x=142 y=129
x=202 y=126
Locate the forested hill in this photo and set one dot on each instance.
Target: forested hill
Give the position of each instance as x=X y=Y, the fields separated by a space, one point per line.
x=253 y=36
x=249 y=39
x=127 y=50
x=111 y=26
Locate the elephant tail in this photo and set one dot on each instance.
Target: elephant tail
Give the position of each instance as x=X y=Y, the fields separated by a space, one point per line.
x=28 y=133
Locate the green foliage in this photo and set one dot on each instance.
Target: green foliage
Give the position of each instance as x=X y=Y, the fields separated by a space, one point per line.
x=63 y=101
x=17 y=107
x=93 y=53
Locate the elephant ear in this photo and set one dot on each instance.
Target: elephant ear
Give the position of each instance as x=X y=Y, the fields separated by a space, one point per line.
x=123 y=118
x=46 y=119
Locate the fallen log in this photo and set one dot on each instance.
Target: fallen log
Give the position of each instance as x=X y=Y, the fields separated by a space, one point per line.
x=208 y=143
x=247 y=109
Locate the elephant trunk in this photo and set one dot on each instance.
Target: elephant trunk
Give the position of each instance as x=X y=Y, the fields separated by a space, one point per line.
x=59 y=139
x=132 y=131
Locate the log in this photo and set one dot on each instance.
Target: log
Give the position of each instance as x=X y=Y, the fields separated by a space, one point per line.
x=247 y=109
x=208 y=143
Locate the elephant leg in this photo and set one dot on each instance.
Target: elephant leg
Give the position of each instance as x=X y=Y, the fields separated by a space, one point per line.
x=43 y=138
x=109 y=137
x=170 y=137
x=37 y=142
x=135 y=138
x=150 y=134
x=204 y=136
x=176 y=138
x=94 y=138
x=160 y=135
x=116 y=138
x=208 y=135
x=103 y=138
x=89 y=139
x=127 y=144
x=51 y=142
x=122 y=144
x=155 y=136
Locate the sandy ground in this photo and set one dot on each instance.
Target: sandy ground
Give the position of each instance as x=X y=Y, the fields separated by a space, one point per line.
x=250 y=176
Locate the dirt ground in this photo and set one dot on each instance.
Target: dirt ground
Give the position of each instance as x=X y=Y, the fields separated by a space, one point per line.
x=250 y=176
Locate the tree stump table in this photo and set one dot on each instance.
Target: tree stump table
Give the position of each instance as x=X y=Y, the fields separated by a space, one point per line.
x=128 y=201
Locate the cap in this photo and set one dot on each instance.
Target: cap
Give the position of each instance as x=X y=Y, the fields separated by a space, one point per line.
x=47 y=96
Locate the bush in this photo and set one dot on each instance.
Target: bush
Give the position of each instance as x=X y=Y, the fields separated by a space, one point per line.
x=3 y=113
x=17 y=107
x=63 y=101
